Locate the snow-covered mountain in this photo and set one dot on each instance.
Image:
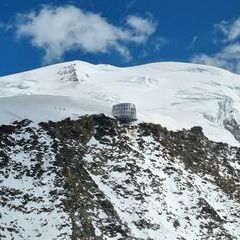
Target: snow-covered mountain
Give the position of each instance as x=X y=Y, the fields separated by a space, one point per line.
x=176 y=95
x=174 y=175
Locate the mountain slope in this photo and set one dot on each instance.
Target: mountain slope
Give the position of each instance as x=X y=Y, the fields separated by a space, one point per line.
x=92 y=179
x=84 y=177
x=177 y=95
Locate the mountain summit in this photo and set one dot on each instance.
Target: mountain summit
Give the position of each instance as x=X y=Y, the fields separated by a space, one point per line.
x=176 y=95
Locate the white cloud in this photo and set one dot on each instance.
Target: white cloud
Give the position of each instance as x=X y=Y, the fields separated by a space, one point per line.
x=159 y=42
x=229 y=56
x=231 y=30
x=141 y=25
x=61 y=29
x=193 y=42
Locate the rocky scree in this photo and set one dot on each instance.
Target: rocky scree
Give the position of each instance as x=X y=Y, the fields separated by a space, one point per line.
x=106 y=181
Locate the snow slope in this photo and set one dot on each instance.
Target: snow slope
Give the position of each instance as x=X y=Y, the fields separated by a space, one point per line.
x=90 y=179
x=176 y=95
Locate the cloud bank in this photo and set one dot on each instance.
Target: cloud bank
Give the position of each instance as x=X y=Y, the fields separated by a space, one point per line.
x=229 y=55
x=58 y=30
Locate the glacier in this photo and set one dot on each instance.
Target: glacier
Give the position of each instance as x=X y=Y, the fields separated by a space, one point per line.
x=175 y=95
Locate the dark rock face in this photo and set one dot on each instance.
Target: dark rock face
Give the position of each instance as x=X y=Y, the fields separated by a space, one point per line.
x=99 y=180
x=30 y=185
x=68 y=74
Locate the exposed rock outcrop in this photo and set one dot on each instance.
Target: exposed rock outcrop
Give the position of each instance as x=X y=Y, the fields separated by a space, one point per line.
x=92 y=179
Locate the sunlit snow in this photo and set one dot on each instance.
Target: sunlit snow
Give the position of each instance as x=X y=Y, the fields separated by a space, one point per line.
x=176 y=95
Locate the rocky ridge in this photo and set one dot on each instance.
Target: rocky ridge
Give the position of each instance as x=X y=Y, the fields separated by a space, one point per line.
x=93 y=179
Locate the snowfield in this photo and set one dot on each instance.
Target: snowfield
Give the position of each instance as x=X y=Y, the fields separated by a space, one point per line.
x=176 y=95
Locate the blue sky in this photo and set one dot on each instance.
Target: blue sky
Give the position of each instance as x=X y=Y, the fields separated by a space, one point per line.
x=35 y=33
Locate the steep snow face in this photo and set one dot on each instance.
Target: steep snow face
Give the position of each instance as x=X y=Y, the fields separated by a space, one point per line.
x=176 y=95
